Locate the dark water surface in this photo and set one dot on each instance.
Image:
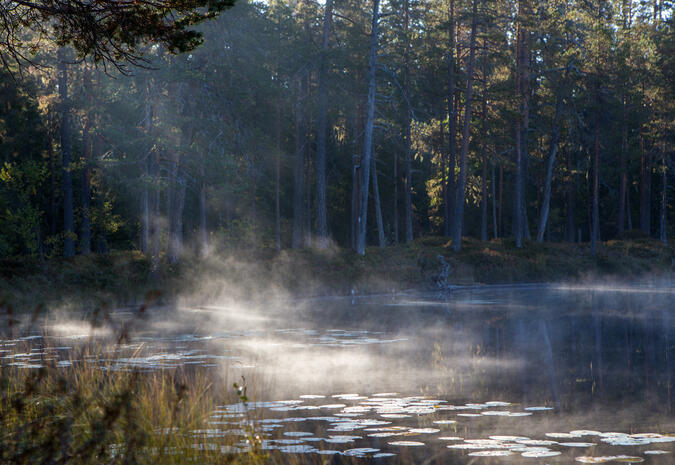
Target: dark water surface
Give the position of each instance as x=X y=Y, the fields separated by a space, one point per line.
x=526 y=374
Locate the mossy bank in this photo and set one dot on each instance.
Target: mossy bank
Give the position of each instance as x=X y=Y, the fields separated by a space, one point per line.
x=124 y=278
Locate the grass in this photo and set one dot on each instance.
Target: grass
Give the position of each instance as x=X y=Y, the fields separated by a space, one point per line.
x=124 y=278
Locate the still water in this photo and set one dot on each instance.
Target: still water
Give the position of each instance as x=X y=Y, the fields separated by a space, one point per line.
x=491 y=375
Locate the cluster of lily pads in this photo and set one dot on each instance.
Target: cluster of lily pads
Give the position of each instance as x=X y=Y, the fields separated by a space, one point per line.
x=346 y=419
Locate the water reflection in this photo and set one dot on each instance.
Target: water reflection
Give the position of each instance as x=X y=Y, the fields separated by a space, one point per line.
x=489 y=374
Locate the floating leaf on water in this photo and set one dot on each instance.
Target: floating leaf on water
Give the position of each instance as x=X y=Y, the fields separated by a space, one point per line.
x=297 y=449
x=577 y=444
x=609 y=458
x=664 y=438
x=331 y=406
x=585 y=432
x=467 y=446
x=386 y=434
x=424 y=430
x=450 y=438
x=445 y=422
x=563 y=435
x=406 y=443
x=383 y=455
x=298 y=433
x=536 y=442
x=497 y=413
x=360 y=451
x=539 y=454
x=328 y=452
x=530 y=449
x=394 y=415
x=656 y=452
x=312 y=396
x=385 y=394
x=646 y=435
x=519 y=414
x=341 y=439
x=491 y=453
x=537 y=409
x=468 y=414
x=497 y=403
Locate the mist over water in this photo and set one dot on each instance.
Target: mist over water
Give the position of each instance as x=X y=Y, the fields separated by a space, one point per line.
x=547 y=371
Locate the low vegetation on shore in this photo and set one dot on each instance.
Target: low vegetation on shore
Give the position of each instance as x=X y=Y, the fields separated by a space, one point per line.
x=124 y=278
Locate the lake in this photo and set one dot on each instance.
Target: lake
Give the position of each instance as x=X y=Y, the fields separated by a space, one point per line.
x=482 y=375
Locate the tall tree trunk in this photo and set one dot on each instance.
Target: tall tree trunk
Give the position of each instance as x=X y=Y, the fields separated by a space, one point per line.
x=408 y=142
x=645 y=181
x=67 y=181
x=203 y=226
x=154 y=215
x=571 y=191
x=466 y=132
x=522 y=71
x=484 y=173
x=368 y=135
x=595 y=216
x=277 y=177
x=664 y=193
x=500 y=219
x=378 y=205
x=495 y=231
x=321 y=218
x=85 y=224
x=395 y=197
x=623 y=182
x=145 y=169
x=449 y=209
x=299 y=169
x=546 y=202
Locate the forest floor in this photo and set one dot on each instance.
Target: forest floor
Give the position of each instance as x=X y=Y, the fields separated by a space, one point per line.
x=124 y=278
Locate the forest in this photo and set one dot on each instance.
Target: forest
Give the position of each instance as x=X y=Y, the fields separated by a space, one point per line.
x=303 y=124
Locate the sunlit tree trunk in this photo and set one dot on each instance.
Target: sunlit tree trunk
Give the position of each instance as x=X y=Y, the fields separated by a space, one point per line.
x=145 y=176
x=368 y=135
x=449 y=208
x=664 y=194
x=299 y=169
x=571 y=191
x=85 y=223
x=203 y=224
x=466 y=130
x=67 y=179
x=495 y=231
x=645 y=194
x=623 y=181
x=321 y=216
x=484 y=172
x=378 y=206
x=595 y=215
x=408 y=141
x=546 y=201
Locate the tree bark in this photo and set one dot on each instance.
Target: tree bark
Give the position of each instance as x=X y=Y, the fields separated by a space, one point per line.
x=484 y=173
x=145 y=177
x=645 y=181
x=466 y=130
x=203 y=225
x=623 y=182
x=85 y=224
x=378 y=206
x=368 y=135
x=495 y=232
x=321 y=216
x=408 y=142
x=664 y=194
x=67 y=181
x=449 y=209
x=546 y=202
x=299 y=170
x=595 y=216
x=571 y=190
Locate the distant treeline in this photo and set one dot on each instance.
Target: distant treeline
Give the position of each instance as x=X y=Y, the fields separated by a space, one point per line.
x=299 y=123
